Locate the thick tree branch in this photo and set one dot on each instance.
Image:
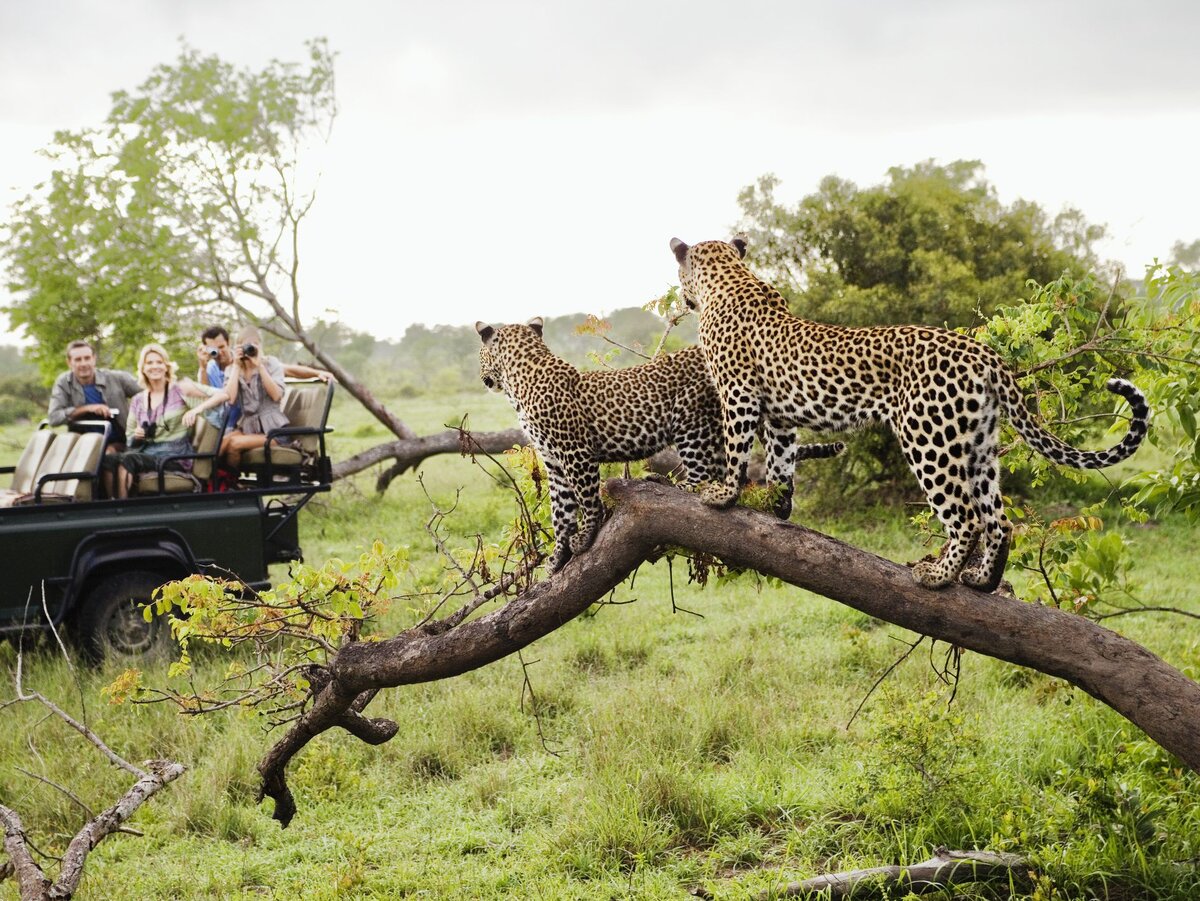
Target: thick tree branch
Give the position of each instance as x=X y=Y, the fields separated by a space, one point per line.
x=647 y=517
x=409 y=453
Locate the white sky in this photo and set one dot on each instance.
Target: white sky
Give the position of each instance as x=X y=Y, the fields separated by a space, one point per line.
x=500 y=160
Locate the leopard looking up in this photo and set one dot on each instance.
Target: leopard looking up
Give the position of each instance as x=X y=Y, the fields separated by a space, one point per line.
x=578 y=420
x=942 y=393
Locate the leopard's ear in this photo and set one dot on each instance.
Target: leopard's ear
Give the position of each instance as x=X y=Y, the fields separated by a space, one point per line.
x=536 y=324
x=739 y=244
x=680 y=249
x=485 y=331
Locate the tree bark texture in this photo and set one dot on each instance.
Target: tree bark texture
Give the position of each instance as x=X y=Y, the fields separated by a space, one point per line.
x=944 y=869
x=647 y=517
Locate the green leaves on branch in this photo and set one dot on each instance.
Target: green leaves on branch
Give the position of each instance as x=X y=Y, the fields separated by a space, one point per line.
x=283 y=631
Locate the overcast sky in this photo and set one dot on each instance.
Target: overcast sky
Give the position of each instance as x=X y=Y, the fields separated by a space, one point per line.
x=498 y=161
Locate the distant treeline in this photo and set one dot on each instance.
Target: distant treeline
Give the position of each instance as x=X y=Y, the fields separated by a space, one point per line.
x=446 y=357
x=437 y=358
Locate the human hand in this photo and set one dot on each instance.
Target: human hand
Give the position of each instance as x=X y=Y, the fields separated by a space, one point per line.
x=139 y=435
x=189 y=419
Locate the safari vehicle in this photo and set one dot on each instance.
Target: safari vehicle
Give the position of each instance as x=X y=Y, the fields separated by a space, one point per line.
x=73 y=559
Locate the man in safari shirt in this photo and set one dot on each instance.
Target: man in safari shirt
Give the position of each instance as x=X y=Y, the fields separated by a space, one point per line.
x=84 y=393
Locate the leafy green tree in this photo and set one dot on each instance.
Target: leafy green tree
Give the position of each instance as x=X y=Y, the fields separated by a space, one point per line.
x=185 y=203
x=933 y=244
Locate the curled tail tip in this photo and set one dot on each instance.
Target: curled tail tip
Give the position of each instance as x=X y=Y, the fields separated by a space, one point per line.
x=1131 y=393
x=1122 y=387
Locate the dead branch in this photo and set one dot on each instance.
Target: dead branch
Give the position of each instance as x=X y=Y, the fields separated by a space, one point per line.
x=32 y=881
x=946 y=868
x=408 y=454
x=647 y=517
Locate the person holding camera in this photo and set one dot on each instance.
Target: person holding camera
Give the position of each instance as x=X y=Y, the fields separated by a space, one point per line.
x=159 y=421
x=85 y=393
x=215 y=354
x=255 y=383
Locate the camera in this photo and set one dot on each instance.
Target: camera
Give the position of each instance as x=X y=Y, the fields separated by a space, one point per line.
x=149 y=429
x=249 y=350
x=212 y=352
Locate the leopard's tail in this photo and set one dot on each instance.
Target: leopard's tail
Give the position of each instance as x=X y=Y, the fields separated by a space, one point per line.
x=1059 y=451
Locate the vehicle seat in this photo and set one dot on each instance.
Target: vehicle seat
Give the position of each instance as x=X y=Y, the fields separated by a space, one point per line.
x=53 y=461
x=306 y=406
x=83 y=462
x=25 y=472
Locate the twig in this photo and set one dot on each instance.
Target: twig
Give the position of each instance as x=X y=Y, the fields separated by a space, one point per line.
x=527 y=686
x=1124 y=611
x=887 y=672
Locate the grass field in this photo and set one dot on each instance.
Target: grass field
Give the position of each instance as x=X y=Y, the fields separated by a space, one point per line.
x=708 y=748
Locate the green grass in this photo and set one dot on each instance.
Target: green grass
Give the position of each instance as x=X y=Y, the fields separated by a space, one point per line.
x=689 y=750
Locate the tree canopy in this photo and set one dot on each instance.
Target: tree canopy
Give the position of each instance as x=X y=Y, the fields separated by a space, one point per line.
x=932 y=244
x=186 y=201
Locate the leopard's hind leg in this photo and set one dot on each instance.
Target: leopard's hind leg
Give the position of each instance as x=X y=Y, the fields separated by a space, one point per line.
x=782 y=451
x=986 y=572
x=939 y=459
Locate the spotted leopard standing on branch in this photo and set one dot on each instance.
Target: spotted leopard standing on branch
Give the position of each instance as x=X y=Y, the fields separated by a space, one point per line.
x=578 y=420
x=941 y=392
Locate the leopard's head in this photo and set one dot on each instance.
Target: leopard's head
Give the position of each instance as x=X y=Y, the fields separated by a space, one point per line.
x=491 y=368
x=694 y=260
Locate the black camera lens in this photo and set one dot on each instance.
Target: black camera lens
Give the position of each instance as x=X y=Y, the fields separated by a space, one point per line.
x=148 y=429
x=249 y=350
x=212 y=352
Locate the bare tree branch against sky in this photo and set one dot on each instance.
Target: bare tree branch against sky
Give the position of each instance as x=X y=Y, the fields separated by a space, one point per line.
x=485 y=151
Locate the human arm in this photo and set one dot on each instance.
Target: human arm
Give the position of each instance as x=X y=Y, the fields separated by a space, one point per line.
x=213 y=397
x=133 y=422
x=63 y=409
x=300 y=371
x=270 y=371
x=233 y=380
x=203 y=358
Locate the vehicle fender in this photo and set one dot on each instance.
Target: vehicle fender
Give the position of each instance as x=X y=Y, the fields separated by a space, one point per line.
x=110 y=551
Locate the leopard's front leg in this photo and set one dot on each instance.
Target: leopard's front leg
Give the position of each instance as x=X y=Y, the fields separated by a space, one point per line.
x=584 y=476
x=740 y=414
x=563 y=507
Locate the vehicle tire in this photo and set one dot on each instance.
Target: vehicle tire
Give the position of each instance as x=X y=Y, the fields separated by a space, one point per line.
x=111 y=624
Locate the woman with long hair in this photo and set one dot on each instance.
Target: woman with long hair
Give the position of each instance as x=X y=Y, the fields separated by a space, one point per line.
x=157 y=426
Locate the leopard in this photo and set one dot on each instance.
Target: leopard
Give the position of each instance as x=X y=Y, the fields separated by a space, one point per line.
x=941 y=392
x=577 y=420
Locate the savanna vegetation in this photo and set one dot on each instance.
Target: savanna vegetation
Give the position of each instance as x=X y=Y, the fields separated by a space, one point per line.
x=700 y=728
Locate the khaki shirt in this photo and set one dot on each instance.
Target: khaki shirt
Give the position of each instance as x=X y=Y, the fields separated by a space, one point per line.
x=116 y=386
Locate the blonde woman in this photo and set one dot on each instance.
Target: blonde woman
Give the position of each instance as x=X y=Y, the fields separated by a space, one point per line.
x=254 y=382
x=159 y=422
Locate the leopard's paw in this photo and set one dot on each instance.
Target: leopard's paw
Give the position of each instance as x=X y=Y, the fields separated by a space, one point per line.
x=718 y=496
x=928 y=573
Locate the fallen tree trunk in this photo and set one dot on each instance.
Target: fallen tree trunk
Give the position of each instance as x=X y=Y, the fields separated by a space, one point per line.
x=647 y=517
x=944 y=869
